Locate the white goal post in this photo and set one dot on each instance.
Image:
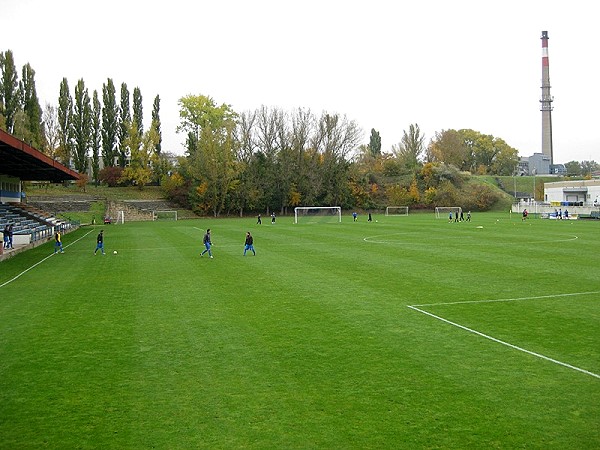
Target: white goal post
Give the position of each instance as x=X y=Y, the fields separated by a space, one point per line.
x=164 y=215
x=323 y=213
x=120 y=217
x=396 y=211
x=443 y=212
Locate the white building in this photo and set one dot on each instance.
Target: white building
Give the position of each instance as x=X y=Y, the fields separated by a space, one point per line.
x=573 y=193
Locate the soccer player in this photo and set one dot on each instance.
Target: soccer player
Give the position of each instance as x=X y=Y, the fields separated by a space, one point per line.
x=354 y=216
x=259 y=221
x=273 y=218
x=58 y=242
x=100 y=242
x=249 y=244
x=207 y=243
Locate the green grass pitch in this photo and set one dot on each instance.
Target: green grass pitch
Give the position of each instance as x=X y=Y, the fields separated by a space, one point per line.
x=409 y=332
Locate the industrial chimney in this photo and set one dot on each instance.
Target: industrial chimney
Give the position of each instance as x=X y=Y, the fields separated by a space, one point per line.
x=546 y=102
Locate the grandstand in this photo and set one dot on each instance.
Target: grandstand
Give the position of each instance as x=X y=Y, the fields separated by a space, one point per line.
x=20 y=162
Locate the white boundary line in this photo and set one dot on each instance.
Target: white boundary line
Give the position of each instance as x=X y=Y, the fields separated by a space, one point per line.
x=509 y=299
x=41 y=261
x=478 y=333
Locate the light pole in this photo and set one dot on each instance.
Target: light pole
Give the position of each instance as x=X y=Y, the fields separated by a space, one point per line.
x=534 y=171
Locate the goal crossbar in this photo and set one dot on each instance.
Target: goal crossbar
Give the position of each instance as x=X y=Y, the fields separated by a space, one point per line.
x=396 y=211
x=318 y=211
x=164 y=215
x=443 y=211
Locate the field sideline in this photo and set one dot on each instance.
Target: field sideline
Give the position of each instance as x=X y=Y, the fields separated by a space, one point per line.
x=408 y=332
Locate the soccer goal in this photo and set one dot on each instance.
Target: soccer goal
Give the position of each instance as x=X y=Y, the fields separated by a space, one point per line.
x=317 y=214
x=443 y=212
x=396 y=211
x=164 y=215
x=120 y=217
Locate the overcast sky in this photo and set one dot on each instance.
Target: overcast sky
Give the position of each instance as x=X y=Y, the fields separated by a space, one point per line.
x=384 y=64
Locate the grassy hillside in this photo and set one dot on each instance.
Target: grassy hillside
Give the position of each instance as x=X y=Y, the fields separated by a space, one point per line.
x=111 y=193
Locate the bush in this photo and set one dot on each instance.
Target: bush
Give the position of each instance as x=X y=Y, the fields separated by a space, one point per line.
x=110 y=176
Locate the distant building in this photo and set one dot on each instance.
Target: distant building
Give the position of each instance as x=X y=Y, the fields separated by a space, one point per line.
x=539 y=164
x=573 y=193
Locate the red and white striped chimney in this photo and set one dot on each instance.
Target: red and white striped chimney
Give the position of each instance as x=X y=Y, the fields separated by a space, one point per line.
x=546 y=102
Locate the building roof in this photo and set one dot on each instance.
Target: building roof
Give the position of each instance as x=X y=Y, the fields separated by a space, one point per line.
x=20 y=160
x=572 y=184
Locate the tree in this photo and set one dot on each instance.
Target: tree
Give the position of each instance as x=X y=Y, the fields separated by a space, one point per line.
x=213 y=158
x=138 y=110
x=375 y=143
x=31 y=107
x=156 y=123
x=82 y=126
x=141 y=149
x=124 y=123
x=335 y=139
x=96 y=138
x=65 y=114
x=587 y=167
x=9 y=94
x=110 y=123
x=51 y=130
x=573 y=168
x=448 y=146
x=410 y=148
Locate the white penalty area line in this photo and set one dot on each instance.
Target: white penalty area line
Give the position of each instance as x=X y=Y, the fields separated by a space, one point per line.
x=41 y=261
x=507 y=344
x=509 y=299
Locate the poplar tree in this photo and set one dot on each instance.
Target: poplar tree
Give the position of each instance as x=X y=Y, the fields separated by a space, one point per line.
x=96 y=135
x=9 y=94
x=110 y=123
x=82 y=126
x=65 y=113
x=33 y=127
x=138 y=110
x=156 y=123
x=124 y=122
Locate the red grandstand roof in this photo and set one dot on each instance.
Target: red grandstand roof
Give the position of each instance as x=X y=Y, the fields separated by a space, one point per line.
x=20 y=160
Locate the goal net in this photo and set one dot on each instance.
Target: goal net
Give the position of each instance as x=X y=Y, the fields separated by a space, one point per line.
x=120 y=217
x=317 y=214
x=396 y=211
x=164 y=215
x=443 y=212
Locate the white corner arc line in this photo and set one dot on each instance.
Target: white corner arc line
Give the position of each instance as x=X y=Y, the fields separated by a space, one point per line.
x=515 y=347
x=41 y=261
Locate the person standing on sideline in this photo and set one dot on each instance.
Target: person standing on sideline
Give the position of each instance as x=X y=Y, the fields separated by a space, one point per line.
x=207 y=243
x=450 y=217
x=370 y=219
x=249 y=244
x=10 y=236
x=100 y=242
x=259 y=221
x=5 y=234
x=354 y=215
x=273 y=218
x=58 y=243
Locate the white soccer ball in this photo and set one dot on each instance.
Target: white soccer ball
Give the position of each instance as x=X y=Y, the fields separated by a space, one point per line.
x=115 y=252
